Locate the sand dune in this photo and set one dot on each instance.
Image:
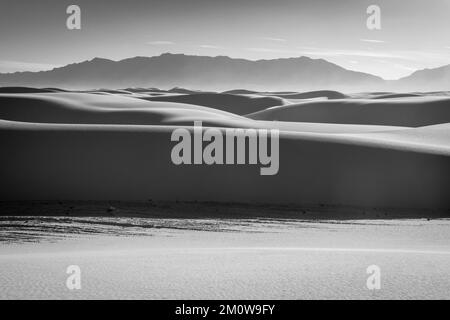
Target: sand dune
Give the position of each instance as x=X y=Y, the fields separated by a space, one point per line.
x=238 y=104
x=396 y=95
x=55 y=161
x=83 y=146
x=409 y=112
x=85 y=108
x=313 y=94
x=27 y=90
x=182 y=90
x=431 y=136
x=240 y=91
x=110 y=91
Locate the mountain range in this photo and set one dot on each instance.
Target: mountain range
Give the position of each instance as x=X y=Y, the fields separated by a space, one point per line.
x=222 y=73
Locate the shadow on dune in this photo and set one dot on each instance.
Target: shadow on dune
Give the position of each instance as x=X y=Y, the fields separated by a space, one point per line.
x=75 y=160
x=109 y=91
x=407 y=112
x=258 y=211
x=106 y=162
x=240 y=91
x=104 y=108
x=181 y=91
x=397 y=95
x=314 y=94
x=28 y=90
x=237 y=104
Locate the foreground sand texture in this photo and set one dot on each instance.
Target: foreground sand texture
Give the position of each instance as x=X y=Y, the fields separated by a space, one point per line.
x=207 y=258
x=370 y=150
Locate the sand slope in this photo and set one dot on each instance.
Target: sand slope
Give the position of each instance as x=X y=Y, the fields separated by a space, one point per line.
x=54 y=161
x=82 y=146
x=85 y=108
x=409 y=111
x=235 y=103
x=313 y=94
x=106 y=108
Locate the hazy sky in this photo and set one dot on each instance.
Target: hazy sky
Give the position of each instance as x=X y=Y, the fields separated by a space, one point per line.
x=415 y=34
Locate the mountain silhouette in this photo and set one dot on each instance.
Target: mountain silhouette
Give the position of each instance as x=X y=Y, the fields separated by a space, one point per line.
x=200 y=72
x=426 y=80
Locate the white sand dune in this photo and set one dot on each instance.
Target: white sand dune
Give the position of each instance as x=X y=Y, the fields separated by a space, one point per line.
x=437 y=136
x=328 y=94
x=408 y=111
x=235 y=103
x=82 y=146
x=85 y=108
x=90 y=162
x=324 y=127
x=28 y=90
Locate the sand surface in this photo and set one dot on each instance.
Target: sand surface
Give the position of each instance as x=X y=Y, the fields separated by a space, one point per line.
x=164 y=258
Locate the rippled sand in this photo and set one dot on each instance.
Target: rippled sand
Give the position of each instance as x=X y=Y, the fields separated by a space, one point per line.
x=219 y=258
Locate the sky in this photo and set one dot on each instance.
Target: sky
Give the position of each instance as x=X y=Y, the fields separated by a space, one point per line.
x=414 y=34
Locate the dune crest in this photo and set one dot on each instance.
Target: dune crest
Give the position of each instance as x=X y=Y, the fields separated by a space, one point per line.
x=110 y=145
x=407 y=111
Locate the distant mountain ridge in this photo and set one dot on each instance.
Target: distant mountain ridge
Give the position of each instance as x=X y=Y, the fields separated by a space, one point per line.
x=202 y=72
x=214 y=73
x=427 y=79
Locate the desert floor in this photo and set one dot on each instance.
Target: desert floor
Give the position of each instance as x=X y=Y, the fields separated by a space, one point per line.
x=258 y=256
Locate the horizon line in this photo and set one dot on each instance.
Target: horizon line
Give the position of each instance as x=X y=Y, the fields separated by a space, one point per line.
x=216 y=56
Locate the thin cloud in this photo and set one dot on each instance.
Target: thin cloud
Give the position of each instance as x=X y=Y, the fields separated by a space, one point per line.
x=404 y=56
x=308 y=48
x=273 y=39
x=270 y=50
x=160 y=43
x=403 y=67
x=209 y=46
x=372 y=40
x=352 y=53
x=15 y=66
x=417 y=56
